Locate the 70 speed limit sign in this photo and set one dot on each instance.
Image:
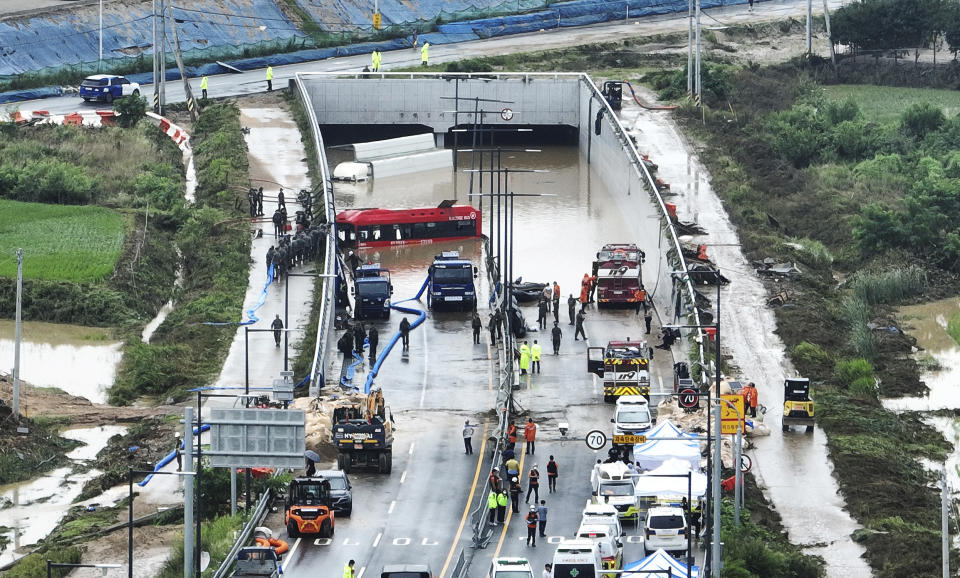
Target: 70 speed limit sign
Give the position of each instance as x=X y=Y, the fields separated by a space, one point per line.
x=688 y=398
x=596 y=439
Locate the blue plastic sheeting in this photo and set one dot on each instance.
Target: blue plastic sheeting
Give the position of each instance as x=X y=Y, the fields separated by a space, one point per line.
x=168 y=458
x=422 y=315
x=70 y=37
x=30 y=94
x=335 y=15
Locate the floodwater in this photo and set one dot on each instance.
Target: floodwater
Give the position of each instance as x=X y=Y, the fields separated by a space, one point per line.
x=37 y=506
x=81 y=361
x=793 y=466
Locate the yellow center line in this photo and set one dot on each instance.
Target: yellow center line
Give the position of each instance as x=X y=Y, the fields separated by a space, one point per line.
x=506 y=523
x=466 y=507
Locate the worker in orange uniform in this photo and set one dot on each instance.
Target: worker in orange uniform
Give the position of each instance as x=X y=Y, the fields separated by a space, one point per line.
x=750 y=398
x=641 y=296
x=532 y=520
x=511 y=436
x=530 y=434
x=584 y=290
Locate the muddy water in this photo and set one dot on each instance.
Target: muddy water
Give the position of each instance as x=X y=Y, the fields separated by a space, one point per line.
x=37 y=506
x=793 y=467
x=79 y=360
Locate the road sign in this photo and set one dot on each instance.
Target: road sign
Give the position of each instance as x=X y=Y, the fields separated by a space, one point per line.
x=730 y=418
x=377 y=20
x=506 y=114
x=629 y=439
x=688 y=398
x=745 y=463
x=596 y=439
x=250 y=438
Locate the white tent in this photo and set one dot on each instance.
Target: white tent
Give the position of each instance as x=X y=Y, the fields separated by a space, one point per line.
x=660 y=560
x=656 y=449
x=649 y=484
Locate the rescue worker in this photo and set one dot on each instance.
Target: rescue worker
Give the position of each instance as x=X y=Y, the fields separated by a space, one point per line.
x=270 y=89
x=547 y=571
x=348 y=569
x=533 y=484
x=644 y=298
x=277 y=224
x=556 y=302
x=502 y=501
x=557 y=335
x=405 y=333
x=532 y=521
x=515 y=491
x=311 y=468
x=542 y=313
x=524 y=358
x=270 y=256
x=530 y=435
x=252 y=202
x=281 y=202
x=179 y=452
x=353 y=261
x=277 y=327
x=571 y=307
x=498 y=322
x=373 y=338
x=359 y=335
x=203 y=87
x=492 y=507
x=511 y=436
x=580 y=317
x=542 y=514
x=425 y=54
x=553 y=469
x=375 y=59
x=477 y=326
x=547 y=295
x=647 y=318
x=495 y=479
x=467 y=437
x=512 y=466
x=593 y=286
x=750 y=398
x=535 y=352
x=260 y=202
x=345 y=346
x=584 y=290
x=492 y=326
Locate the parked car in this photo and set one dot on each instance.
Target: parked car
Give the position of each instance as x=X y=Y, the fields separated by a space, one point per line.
x=107 y=87
x=510 y=568
x=666 y=529
x=341 y=491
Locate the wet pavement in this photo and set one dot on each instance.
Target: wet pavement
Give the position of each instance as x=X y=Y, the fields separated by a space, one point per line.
x=81 y=361
x=414 y=514
x=792 y=466
x=30 y=510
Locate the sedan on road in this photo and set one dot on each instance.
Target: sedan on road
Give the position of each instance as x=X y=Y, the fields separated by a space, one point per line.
x=107 y=87
x=341 y=491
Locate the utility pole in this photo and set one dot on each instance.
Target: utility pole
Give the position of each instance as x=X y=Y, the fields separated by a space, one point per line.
x=16 y=338
x=826 y=17
x=699 y=95
x=809 y=28
x=945 y=522
x=188 y=493
x=156 y=63
x=689 y=48
x=163 y=56
x=100 y=60
x=191 y=102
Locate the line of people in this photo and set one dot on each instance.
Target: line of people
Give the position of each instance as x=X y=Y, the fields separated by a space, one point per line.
x=299 y=249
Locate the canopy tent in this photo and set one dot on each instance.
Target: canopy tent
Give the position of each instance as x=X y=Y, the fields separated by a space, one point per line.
x=656 y=449
x=649 y=484
x=660 y=560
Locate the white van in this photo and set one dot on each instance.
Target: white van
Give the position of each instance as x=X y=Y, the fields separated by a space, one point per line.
x=666 y=529
x=611 y=548
x=604 y=514
x=631 y=416
x=577 y=558
x=510 y=568
x=614 y=484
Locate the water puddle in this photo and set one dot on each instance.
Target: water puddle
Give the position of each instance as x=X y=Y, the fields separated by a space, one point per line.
x=81 y=361
x=32 y=509
x=928 y=324
x=151 y=327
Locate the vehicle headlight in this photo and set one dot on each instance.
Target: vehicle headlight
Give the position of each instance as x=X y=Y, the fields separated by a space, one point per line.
x=468 y=292
x=436 y=293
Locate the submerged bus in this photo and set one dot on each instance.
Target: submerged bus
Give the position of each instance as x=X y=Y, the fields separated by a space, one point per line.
x=390 y=227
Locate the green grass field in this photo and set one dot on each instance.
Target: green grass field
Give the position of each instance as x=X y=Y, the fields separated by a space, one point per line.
x=60 y=243
x=885 y=104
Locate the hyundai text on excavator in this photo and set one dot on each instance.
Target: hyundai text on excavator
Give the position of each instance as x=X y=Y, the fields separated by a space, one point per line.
x=363 y=436
x=307 y=508
x=797 y=403
x=623 y=365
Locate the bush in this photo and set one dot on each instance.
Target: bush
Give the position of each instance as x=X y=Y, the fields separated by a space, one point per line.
x=35 y=565
x=130 y=110
x=798 y=135
x=921 y=119
x=810 y=358
x=891 y=286
x=846 y=371
x=853 y=140
x=864 y=388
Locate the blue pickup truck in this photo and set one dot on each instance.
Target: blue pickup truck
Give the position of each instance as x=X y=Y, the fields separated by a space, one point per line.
x=451 y=282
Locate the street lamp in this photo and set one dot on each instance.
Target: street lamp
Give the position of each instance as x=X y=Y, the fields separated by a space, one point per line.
x=130 y=516
x=103 y=567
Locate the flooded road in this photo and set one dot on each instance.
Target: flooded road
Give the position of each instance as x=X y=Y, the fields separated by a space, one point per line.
x=793 y=467
x=81 y=361
x=31 y=510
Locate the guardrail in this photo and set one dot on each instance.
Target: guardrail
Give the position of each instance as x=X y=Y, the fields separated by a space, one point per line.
x=259 y=513
x=328 y=302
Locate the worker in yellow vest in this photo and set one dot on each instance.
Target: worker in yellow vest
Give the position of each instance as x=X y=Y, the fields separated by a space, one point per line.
x=425 y=54
x=535 y=352
x=203 y=87
x=269 y=78
x=348 y=569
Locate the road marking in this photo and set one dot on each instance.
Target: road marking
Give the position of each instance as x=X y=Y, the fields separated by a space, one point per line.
x=426 y=366
x=410 y=451
x=660 y=381
x=466 y=507
x=393 y=504
x=376 y=541
x=594 y=375
x=489 y=370
x=506 y=523
x=323 y=541
x=403 y=476
x=360 y=573
x=296 y=544
x=401 y=541
x=347 y=542
x=428 y=542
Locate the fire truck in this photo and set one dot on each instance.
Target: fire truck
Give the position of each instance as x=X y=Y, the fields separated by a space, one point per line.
x=624 y=367
x=617 y=268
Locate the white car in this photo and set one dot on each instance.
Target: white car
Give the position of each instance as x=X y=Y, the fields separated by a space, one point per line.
x=665 y=529
x=611 y=548
x=510 y=568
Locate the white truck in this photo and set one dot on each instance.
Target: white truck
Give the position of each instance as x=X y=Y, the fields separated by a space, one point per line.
x=613 y=484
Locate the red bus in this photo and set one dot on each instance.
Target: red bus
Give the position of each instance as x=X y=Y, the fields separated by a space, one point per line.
x=391 y=227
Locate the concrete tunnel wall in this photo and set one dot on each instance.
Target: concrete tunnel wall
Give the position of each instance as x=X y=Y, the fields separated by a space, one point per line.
x=428 y=99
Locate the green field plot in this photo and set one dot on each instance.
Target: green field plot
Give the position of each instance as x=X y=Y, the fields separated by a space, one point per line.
x=885 y=104
x=60 y=243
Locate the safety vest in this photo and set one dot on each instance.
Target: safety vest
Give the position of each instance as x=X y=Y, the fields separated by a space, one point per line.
x=203 y=83
x=347 y=571
x=530 y=432
x=532 y=520
x=534 y=478
x=492 y=500
x=502 y=500
x=425 y=51
x=270 y=77
x=535 y=351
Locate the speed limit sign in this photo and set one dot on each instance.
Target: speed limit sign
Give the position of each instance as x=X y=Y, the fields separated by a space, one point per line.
x=596 y=439
x=745 y=463
x=688 y=398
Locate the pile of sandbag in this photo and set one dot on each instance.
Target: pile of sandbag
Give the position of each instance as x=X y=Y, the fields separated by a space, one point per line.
x=319 y=418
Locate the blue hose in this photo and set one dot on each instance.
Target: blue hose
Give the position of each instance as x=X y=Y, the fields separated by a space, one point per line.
x=422 y=315
x=252 y=312
x=169 y=458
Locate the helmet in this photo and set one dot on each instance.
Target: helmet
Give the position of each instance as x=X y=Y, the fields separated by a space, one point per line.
x=514 y=479
x=496 y=469
x=533 y=508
